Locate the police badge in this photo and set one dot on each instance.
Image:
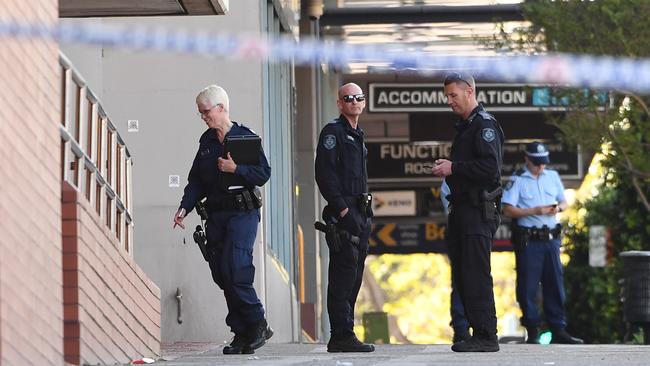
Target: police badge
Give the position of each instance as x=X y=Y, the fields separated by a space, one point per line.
x=488 y=134
x=329 y=142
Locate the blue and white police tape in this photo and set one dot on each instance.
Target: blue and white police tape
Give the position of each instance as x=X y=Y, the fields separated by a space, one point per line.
x=556 y=69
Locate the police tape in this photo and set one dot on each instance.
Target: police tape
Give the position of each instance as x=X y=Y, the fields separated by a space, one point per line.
x=595 y=72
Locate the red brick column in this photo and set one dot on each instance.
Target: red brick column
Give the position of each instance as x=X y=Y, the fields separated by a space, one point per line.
x=31 y=312
x=111 y=308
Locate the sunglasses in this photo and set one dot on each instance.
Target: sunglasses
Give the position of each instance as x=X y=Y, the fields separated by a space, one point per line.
x=456 y=76
x=350 y=97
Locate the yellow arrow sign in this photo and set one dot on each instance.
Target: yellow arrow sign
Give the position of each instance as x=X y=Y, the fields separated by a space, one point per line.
x=384 y=235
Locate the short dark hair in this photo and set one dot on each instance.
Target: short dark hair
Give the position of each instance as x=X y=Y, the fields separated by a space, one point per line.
x=460 y=77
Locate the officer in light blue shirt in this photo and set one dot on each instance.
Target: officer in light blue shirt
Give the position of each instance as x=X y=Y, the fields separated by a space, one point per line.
x=532 y=197
x=458 y=320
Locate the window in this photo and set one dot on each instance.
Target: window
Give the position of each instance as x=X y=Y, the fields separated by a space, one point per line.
x=278 y=120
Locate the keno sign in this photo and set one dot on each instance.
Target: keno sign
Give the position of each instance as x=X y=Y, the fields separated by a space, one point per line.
x=393 y=203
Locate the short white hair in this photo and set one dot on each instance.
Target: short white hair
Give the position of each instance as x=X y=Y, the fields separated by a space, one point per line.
x=214 y=94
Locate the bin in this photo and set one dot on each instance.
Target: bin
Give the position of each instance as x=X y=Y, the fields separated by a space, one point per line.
x=636 y=289
x=375 y=325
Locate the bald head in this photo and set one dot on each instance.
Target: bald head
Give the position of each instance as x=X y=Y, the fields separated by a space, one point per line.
x=349 y=88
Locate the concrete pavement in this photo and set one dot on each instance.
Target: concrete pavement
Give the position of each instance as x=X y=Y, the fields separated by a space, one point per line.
x=195 y=354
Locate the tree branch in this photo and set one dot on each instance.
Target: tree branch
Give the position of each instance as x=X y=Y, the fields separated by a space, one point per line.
x=637 y=187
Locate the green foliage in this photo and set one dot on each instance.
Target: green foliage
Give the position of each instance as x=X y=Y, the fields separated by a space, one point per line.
x=619 y=126
x=601 y=27
x=593 y=294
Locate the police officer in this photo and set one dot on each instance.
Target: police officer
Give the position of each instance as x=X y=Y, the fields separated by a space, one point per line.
x=473 y=176
x=232 y=221
x=342 y=179
x=532 y=197
x=458 y=320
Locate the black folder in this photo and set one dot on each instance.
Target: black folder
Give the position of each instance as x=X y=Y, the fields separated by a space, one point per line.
x=243 y=150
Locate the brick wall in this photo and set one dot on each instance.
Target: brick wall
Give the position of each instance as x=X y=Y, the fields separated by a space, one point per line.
x=31 y=325
x=111 y=308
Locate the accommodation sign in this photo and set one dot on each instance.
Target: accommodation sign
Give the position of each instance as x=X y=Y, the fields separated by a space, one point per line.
x=394 y=97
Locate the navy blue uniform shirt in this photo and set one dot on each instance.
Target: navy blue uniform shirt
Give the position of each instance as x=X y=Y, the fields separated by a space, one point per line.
x=204 y=174
x=476 y=154
x=341 y=164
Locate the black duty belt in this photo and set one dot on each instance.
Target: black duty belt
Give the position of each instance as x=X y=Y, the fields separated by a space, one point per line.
x=544 y=233
x=243 y=201
x=475 y=197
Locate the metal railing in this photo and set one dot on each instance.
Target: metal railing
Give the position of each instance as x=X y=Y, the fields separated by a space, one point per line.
x=94 y=158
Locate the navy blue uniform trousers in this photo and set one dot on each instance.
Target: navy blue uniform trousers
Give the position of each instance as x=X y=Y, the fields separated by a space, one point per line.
x=539 y=261
x=458 y=319
x=344 y=281
x=231 y=237
x=469 y=252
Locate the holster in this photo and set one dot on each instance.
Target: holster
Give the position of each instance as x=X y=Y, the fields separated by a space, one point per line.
x=489 y=203
x=248 y=200
x=335 y=236
x=256 y=195
x=332 y=236
x=519 y=237
x=201 y=210
x=201 y=241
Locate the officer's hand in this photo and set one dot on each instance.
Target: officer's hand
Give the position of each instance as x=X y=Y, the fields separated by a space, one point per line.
x=178 y=218
x=349 y=223
x=226 y=165
x=545 y=210
x=344 y=212
x=442 y=168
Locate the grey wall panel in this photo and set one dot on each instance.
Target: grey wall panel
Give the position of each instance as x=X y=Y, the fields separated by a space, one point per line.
x=158 y=89
x=282 y=315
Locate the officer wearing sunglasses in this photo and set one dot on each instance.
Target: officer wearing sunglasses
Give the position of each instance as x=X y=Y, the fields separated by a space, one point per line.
x=342 y=179
x=533 y=196
x=473 y=173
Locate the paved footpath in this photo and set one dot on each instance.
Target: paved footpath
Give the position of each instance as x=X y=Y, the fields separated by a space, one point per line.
x=195 y=354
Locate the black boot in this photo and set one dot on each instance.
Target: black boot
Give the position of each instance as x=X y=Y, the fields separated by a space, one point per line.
x=476 y=344
x=561 y=336
x=461 y=334
x=236 y=346
x=348 y=344
x=532 y=335
x=258 y=336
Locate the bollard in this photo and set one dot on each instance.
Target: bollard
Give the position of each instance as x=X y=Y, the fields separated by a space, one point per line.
x=375 y=325
x=636 y=290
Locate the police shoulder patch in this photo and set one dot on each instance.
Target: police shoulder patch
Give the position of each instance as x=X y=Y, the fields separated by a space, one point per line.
x=508 y=184
x=329 y=142
x=489 y=134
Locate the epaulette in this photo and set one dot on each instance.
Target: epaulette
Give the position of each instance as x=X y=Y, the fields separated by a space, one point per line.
x=512 y=179
x=247 y=128
x=483 y=113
